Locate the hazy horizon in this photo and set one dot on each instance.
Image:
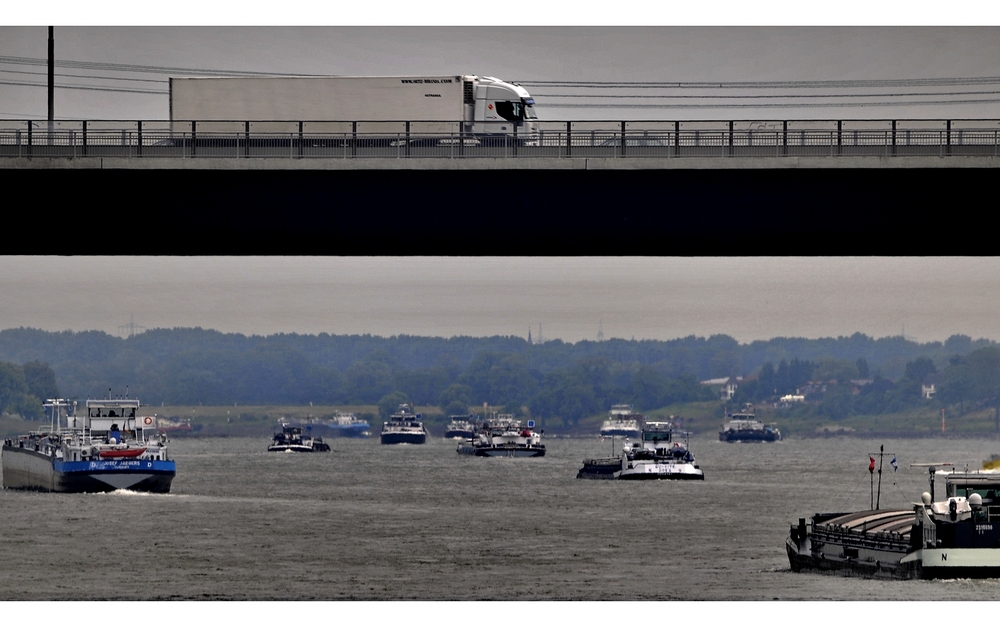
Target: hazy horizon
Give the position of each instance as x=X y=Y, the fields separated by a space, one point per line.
x=121 y=72
x=660 y=298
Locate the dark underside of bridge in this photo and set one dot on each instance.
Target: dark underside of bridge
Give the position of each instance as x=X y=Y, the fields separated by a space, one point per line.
x=491 y=212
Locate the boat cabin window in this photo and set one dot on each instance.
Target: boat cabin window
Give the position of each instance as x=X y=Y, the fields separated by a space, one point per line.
x=111 y=412
x=989 y=494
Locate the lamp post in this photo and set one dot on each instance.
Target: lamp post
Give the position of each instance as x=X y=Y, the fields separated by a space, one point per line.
x=52 y=76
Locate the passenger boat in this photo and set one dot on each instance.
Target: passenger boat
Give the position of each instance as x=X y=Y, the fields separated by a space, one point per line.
x=658 y=455
x=622 y=422
x=956 y=537
x=291 y=440
x=404 y=427
x=460 y=427
x=108 y=448
x=503 y=436
x=743 y=426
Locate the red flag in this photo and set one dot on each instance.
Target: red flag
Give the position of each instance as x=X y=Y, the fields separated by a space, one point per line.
x=871 y=466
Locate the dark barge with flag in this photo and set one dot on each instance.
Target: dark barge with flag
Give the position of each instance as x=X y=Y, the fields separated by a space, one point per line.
x=956 y=537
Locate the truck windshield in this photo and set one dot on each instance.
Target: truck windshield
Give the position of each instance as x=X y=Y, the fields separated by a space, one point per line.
x=516 y=111
x=529 y=109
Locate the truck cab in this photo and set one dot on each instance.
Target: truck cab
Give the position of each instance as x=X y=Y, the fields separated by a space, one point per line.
x=502 y=108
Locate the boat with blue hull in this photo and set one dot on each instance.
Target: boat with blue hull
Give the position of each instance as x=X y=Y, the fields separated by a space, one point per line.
x=111 y=447
x=343 y=425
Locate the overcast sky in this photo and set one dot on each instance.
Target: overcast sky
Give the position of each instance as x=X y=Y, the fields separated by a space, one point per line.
x=541 y=55
x=752 y=298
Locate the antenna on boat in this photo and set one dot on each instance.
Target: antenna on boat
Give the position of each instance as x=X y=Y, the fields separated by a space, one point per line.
x=932 y=468
x=881 y=454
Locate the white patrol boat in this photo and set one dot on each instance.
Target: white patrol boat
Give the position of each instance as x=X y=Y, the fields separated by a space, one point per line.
x=503 y=436
x=622 y=422
x=658 y=456
x=404 y=427
x=111 y=447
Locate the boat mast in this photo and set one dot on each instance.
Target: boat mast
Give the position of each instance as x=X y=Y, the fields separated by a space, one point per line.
x=881 y=453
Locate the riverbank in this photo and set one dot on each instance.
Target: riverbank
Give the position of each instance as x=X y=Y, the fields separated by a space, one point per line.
x=698 y=418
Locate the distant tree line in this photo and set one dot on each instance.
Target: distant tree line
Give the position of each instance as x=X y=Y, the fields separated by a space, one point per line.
x=552 y=379
x=969 y=381
x=24 y=387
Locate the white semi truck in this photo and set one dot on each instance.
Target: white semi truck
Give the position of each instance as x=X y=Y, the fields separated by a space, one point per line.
x=423 y=107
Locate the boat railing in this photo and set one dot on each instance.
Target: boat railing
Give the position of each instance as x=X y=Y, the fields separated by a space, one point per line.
x=880 y=540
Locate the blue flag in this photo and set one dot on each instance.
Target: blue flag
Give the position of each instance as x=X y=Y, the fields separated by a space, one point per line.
x=893 y=462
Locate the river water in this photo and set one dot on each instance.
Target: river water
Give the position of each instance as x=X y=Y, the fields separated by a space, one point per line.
x=373 y=522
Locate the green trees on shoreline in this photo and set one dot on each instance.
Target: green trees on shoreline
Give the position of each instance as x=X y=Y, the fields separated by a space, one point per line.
x=853 y=375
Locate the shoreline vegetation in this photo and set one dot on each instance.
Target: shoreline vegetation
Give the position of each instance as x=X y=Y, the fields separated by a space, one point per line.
x=700 y=418
x=231 y=384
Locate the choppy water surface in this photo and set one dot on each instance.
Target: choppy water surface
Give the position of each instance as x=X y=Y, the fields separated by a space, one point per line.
x=376 y=522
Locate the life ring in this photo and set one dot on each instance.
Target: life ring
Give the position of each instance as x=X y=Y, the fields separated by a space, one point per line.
x=147 y=420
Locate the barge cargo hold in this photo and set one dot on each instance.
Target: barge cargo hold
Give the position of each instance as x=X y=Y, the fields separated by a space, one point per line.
x=958 y=537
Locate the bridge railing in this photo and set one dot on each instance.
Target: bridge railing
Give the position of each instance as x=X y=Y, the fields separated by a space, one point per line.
x=398 y=140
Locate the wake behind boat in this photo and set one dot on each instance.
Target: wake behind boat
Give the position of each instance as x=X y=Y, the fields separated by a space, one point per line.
x=109 y=448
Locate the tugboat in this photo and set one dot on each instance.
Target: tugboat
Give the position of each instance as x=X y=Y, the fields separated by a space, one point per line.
x=108 y=448
x=291 y=440
x=659 y=456
x=743 y=426
x=503 y=436
x=622 y=422
x=460 y=427
x=404 y=427
x=957 y=537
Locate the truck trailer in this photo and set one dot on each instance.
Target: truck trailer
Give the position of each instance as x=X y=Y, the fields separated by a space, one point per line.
x=411 y=108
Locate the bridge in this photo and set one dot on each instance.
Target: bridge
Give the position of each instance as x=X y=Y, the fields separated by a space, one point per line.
x=557 y=145
x=664 y=188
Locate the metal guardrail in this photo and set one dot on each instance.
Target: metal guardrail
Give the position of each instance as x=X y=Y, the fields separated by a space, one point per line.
x=400 y=140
